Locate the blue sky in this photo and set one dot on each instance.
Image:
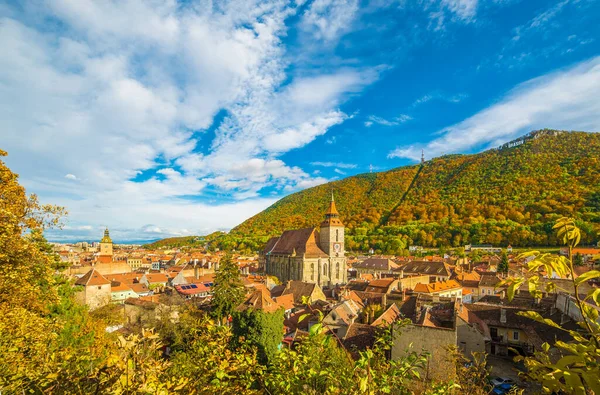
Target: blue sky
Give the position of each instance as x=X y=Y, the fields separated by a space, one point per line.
x=160 y=118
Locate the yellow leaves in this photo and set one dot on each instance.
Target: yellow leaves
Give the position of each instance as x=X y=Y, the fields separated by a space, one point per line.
x=568 y=232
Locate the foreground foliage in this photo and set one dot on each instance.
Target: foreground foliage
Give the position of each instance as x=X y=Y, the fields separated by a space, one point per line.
x=577 y=368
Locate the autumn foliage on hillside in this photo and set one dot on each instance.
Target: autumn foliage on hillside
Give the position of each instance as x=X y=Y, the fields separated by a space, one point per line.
x=502 y=196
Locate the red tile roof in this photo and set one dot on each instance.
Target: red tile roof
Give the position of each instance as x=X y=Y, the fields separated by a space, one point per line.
x=93 y=277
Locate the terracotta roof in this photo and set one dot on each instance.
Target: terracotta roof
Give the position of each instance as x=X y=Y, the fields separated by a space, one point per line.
x=489 y=280
x=354 y=296
x=377 y=264
x=382 y=285
x=286 y=301
x=433 y=268
x=192 y=289
x=116 y=286
x=157 y=278
x=389 y=316
x=299 y=289
x=139 y=288
x=439 y=286
x=359 y=337
x=299 y=242
x=93 y=277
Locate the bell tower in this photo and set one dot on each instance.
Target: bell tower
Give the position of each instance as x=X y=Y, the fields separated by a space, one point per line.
x=331 y=234
x=106 y=248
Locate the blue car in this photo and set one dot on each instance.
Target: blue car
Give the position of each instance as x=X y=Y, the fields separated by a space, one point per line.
x=502 y=389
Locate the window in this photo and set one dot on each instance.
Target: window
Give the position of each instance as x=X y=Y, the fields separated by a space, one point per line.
x=324 y=269
x=99 y=286
x=337 y=235
x=337 y=269
x=515 y=335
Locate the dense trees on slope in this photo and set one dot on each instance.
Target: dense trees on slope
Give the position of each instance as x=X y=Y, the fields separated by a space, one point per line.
x=504 y=196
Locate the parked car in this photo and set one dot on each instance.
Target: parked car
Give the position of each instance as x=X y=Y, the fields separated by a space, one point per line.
x=502 y=389
x=495 y=381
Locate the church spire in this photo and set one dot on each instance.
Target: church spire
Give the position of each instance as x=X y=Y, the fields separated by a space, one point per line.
x=106 y=238
x=332 y=216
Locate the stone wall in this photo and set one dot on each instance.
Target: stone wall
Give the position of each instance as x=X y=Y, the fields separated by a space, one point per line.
x=435 y=341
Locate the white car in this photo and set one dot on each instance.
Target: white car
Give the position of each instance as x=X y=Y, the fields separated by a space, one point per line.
x=501 y=380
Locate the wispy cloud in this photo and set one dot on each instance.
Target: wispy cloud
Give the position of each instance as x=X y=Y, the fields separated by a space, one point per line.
x=338 y=171
x=565 y=99
x=373 y=119
x=457 y=98
x=126 y=87
x=335 y=164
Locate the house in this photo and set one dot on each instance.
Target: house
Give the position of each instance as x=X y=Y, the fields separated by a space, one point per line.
x=487 y=285
x=436 y=270
x=391 y=315
x=95 y=291
x=449 y=289
x=472 y=333
x=121 y=291
x=469 y=281
x=509 y=330
x=189 y=291
x=153 y=280
x=383 y=285
x=482 y=247
x=341 y=316
x=303 y=290
x=433 y=329
x=379 y=267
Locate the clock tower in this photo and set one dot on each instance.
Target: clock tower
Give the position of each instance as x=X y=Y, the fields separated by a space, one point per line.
x=331 y=234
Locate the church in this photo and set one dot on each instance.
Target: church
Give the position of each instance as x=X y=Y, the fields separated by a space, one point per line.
x=310 y=255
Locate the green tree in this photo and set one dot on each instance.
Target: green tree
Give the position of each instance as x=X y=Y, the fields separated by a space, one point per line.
x=260 y=329
x=228 y=291
x=503 y=265
x=578 y=260
x=577 y=371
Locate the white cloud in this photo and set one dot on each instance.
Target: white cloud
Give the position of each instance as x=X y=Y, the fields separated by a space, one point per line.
x=566 y=99
x=124 y=87
x=335 y=164
x=327 y=20
x=457 y=98
x=338 y=171
x=372 y=119
x=463 y=9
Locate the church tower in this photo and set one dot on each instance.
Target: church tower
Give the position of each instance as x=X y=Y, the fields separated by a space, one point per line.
x=106 y=248
x=331 y=234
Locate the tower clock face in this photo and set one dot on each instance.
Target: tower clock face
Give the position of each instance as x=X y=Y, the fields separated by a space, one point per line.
x=337 y=247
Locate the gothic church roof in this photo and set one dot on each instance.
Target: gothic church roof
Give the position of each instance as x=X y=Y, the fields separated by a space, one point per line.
x=298 y=242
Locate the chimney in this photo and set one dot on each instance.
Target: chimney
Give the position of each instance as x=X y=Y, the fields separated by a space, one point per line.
x=503 y=316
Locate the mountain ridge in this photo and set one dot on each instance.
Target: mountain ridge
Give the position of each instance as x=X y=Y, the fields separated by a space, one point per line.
x=496 y=196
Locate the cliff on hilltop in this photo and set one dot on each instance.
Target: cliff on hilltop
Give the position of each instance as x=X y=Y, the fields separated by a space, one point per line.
x=510 y=195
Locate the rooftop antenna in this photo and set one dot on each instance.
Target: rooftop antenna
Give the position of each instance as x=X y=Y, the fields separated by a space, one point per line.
x=422 y=156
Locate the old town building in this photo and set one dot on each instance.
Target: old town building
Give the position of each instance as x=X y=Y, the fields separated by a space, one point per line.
x=310 y=255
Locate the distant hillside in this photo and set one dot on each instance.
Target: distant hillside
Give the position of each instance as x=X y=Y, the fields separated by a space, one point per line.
x=502 y=196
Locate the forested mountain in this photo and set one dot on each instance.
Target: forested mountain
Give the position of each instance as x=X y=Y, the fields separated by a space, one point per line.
x=511 y=195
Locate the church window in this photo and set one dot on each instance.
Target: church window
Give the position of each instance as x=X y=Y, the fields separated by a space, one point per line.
x=337 y=269
x=324 y=269
x=337 y=235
